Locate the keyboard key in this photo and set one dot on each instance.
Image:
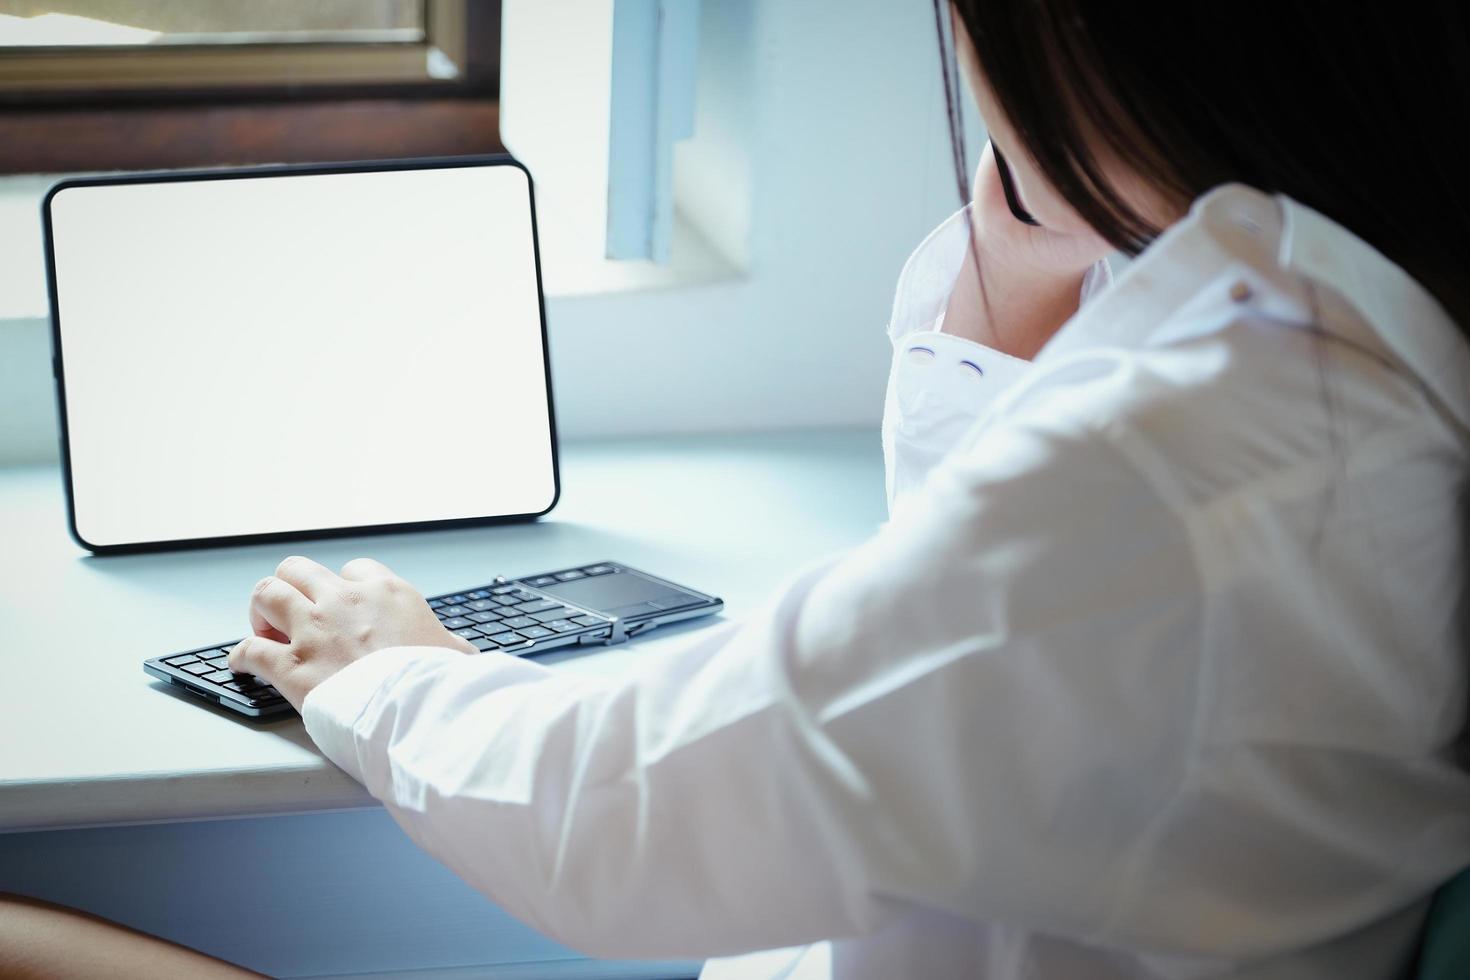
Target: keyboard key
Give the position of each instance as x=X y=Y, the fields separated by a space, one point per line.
x=587 y=620
x=469 y=632
x=541 y=580
x=502 y=590
x=506 y=639
x=483 y=643
x=569 y=574
x=180 y=660
x=535 y=632
x=538 y=605
x=219 y=663
x=456 y=623
x=521 y=595
x=441 y=616
x=435 y=603
x=479 y=605
x=482 y=617
x=561 y=625
x=559 y=612
x=265 y=694
x=455 y=600
x=198 y=669
x=454 y=610
x=598 y=569
x=516 y=622
x=478 y=594
x=219 y=677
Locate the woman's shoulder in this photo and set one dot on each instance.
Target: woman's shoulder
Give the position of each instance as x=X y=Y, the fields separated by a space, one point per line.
x=1221 y=359
x=1249 y=402
x=1295 y=473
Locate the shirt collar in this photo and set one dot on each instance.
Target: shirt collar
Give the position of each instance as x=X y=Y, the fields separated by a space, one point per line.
x=1406 y=317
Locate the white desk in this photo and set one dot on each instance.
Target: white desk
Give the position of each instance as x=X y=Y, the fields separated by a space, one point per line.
x=88 y=740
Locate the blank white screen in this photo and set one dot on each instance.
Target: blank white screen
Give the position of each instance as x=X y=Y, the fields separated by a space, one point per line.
x=292 y=353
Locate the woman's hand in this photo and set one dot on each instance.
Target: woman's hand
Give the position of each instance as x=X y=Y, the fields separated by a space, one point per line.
x=1032 y=274
x=310 y=622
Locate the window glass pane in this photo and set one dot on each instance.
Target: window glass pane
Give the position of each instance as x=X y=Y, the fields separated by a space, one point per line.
x=89 y=23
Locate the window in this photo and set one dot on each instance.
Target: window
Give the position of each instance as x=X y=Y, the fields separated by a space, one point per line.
x=129 y=45
x=137 y=84
x=641 y=181
x=101 y=23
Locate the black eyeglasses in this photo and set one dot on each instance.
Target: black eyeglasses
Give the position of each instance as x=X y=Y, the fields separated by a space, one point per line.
x=1008 y=186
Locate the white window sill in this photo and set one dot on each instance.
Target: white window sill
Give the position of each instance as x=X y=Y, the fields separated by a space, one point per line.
x=695 y=262
x=565 y=274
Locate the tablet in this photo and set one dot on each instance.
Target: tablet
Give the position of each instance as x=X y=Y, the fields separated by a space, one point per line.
x=296 y=352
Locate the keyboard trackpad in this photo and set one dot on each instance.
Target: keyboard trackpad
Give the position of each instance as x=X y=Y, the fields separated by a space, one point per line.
x=624 y=594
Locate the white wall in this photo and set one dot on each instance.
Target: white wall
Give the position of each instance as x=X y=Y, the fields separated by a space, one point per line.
x=840 y=107
x=848 y=156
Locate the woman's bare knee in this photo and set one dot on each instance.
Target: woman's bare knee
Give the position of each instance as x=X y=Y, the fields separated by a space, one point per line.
x=42 y=941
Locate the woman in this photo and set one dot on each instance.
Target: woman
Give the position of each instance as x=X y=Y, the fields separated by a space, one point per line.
x=1156 y=669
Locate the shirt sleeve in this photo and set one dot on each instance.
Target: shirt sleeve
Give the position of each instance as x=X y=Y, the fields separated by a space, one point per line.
x=977 y=710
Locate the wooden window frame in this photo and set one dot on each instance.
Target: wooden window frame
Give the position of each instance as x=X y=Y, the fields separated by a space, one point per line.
x=439 y=56
x=163 y=106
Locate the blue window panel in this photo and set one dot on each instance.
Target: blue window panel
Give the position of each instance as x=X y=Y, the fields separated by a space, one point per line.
x=654 y=60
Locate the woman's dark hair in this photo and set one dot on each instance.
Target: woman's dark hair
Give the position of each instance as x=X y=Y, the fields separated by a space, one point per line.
x=1351 y=109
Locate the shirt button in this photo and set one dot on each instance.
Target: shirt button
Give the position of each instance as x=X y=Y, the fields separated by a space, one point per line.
x=1240 y=291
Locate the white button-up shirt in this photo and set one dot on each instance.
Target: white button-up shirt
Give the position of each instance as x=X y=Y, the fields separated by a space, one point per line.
x=1154 y=671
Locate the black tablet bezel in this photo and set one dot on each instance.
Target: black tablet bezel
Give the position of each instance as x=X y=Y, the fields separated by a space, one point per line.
x=286 y=170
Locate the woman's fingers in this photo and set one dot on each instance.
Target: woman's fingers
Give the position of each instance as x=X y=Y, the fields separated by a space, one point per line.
x=310 y=578
x=260 y=627
x=366 y=569
x=277 y=605
x=265 y=658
